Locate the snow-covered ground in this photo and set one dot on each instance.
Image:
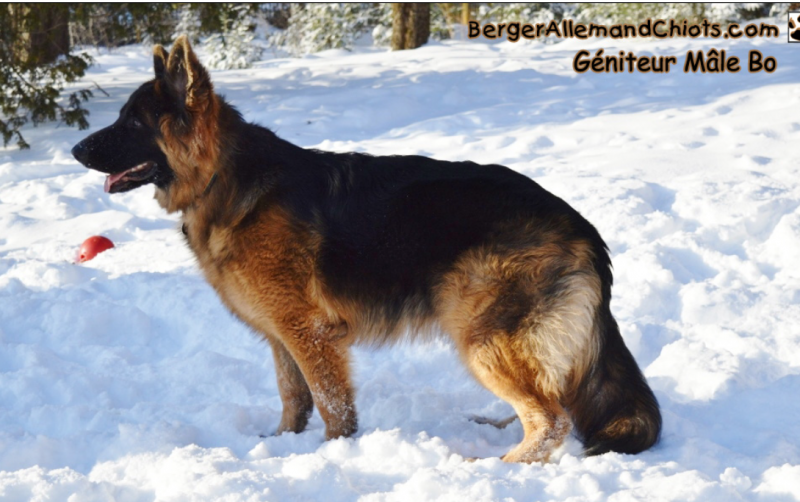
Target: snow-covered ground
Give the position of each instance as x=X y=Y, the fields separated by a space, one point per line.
x=126 y=379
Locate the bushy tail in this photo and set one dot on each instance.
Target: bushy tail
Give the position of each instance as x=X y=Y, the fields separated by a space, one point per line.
x=613 y=408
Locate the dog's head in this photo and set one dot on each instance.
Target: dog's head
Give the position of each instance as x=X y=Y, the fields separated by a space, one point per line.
x=164 y=133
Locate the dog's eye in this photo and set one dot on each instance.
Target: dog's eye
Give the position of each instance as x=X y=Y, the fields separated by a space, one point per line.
x=135 y=122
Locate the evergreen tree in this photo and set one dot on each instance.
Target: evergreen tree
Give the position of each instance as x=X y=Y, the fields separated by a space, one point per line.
x=233 y=46
x=35 y=65
x=317 y=27
x=189 y=23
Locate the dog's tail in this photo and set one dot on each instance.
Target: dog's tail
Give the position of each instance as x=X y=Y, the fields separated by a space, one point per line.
x=613 y=408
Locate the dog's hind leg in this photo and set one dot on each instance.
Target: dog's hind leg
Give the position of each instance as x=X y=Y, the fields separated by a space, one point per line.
x=524 y=326
x=544 y=420
x=298 y=403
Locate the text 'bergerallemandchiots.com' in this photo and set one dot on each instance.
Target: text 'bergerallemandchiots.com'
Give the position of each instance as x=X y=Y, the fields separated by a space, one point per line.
x=715 y=61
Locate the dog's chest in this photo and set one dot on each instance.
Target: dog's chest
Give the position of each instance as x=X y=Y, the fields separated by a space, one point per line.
x=256 y=270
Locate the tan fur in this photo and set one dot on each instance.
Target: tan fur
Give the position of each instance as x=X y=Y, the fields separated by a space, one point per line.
x=192 y=161
x=535 y=366
x=368 y=326
x=263 y=276
x=527 y=347
x=555 y=333
x=295 y=394
x=193 y=149
x=160 y=56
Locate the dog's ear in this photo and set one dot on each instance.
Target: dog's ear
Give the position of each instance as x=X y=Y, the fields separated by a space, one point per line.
x=160 y=60
x=187 y=77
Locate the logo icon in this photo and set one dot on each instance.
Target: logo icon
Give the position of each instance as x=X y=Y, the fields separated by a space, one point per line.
x=794 y=27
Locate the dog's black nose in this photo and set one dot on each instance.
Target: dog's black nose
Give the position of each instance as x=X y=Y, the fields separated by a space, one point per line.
x=79 y=151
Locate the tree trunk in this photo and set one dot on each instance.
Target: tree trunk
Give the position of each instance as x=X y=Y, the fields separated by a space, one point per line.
x=420 y=25
x=411 y=25
x=51 y=38
x=399 y=22
x=44 y=32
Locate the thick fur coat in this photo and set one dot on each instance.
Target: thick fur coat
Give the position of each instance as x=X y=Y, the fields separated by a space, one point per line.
x=317 y=251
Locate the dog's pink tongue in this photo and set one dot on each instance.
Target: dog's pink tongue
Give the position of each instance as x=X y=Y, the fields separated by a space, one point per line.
x=111 y=179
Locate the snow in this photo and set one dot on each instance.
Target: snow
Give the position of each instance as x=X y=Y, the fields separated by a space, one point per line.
x=125 y=378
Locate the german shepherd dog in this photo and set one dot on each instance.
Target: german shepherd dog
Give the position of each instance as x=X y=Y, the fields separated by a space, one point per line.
x=317 y=251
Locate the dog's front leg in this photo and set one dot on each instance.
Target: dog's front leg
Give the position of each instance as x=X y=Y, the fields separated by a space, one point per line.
x=294 y=391
x=318 y=346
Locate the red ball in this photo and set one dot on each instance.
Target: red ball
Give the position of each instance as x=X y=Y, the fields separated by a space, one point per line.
x=93 y=246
